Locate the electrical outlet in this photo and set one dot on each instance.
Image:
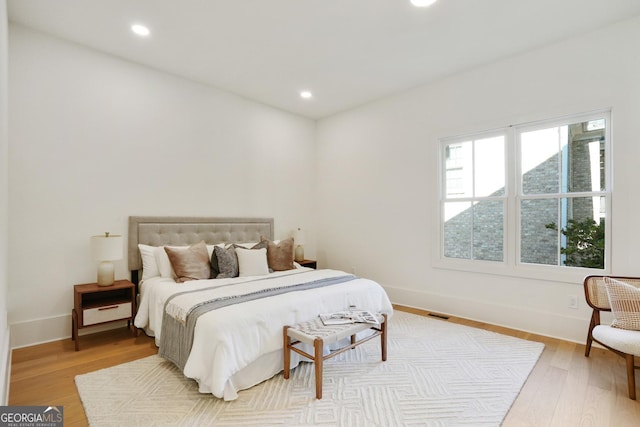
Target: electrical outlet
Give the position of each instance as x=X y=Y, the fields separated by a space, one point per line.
x=573 y=301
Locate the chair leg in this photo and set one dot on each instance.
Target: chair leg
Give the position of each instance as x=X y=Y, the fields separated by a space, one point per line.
x=631 y=376
x=286 y=348
x=587 y=349
x=595 y=320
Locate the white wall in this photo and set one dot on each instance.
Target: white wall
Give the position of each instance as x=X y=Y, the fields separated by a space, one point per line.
x=377 y=168
x=5 y=353
x=95 y=139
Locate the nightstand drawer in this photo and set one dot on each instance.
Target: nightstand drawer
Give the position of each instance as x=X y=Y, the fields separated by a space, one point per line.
x=106 y=313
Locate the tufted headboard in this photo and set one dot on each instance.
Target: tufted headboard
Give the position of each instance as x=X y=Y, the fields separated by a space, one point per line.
x=174 y=230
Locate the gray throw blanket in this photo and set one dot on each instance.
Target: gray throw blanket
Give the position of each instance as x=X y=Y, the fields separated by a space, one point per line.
x=176 y=338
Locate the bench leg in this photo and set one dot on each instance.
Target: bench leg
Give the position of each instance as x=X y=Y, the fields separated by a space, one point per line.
x=286 y=350
x=318 y=347
x=383 y=338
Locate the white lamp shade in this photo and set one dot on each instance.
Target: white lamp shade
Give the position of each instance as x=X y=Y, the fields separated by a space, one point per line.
x=298 y=237
x=106 y=247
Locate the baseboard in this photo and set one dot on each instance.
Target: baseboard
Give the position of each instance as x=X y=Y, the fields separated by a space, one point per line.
x=548 y=324
x=5 y=368
x=40 y=331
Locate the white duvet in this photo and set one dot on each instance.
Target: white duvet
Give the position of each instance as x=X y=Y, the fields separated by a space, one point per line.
x=238 y=346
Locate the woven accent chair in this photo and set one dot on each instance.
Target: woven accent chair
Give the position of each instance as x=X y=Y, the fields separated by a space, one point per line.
x=623 y=342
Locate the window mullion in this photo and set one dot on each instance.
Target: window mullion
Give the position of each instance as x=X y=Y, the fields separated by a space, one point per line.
x=513 y=184
x=473 y=197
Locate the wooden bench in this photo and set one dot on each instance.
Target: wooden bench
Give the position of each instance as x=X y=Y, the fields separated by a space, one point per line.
x=317 y=334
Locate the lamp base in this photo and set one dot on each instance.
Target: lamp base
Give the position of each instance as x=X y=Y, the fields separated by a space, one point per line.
x=106 y=271
x=299 y=253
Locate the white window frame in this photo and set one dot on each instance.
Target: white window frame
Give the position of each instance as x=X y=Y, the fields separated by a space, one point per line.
x=511 y=264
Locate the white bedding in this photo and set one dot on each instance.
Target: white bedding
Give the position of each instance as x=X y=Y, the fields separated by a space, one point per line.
x=238 y=346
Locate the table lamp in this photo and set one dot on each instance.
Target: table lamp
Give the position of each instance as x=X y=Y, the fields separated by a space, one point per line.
x=105 y=249
x=298 y=240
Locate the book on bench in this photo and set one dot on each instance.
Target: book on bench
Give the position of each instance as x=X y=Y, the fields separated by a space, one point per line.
x=349 y=316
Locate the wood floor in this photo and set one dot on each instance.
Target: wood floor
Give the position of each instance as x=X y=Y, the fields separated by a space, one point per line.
x=565 y=388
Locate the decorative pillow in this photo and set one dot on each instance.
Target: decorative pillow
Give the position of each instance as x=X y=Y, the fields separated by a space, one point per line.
x=280 y=255
x=226 y=261
x=625 y=304
x=213 y=259
x=191 y=263
x=163 y=262
x=262 y=244
x=215 y=270
x=210 y=249
x=245 y=245
x=149 y=264
x=252 y=262
x=229 y=266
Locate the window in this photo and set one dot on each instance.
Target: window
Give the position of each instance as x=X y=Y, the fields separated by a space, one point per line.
x=527 y=195
x=475 y=194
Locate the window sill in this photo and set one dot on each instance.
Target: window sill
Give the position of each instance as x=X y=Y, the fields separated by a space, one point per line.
x=549 y=273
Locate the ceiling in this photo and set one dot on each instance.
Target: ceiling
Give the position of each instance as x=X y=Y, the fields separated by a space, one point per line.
x=346 y=52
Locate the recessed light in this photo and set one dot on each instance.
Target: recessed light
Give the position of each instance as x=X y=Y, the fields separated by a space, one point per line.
x=140 y=30
x=422 y=3
x=306 y=94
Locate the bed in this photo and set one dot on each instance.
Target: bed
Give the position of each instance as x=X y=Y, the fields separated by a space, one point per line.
x=226 y=333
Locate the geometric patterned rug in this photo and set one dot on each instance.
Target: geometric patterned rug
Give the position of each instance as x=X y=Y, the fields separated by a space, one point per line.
x=436 y=374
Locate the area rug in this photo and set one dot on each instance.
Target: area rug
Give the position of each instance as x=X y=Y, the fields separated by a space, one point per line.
x=436 y=374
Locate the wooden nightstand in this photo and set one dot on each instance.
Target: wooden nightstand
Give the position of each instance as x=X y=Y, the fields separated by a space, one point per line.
x=94 y=305
x=311 y=263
